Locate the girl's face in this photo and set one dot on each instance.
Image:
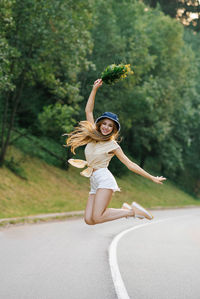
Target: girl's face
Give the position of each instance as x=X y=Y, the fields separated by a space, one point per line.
x=107 y=126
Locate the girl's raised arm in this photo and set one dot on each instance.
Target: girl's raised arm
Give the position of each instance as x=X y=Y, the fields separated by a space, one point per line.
x=90 y=103
x=135 y=168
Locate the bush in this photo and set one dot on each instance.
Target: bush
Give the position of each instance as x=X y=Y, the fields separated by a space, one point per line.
x=56 y=120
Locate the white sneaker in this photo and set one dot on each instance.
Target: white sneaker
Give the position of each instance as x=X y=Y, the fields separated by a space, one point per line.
x=141 y=212
x=126 y=206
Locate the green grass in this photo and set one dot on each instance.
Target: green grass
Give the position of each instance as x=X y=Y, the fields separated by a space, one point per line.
x=48 y=189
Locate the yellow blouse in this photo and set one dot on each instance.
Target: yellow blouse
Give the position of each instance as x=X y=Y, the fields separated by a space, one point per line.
x=98 y=155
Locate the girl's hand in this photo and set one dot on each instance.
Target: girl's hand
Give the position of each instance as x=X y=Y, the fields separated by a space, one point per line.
x=97 y=84
x=158 y=179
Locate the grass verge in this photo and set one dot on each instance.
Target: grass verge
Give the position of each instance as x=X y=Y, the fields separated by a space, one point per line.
x=48 y=189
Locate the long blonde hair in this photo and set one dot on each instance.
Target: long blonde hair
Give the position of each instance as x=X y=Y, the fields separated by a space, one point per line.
x=87 y=132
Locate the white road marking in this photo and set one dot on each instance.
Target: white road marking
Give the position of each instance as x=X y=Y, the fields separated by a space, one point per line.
x=112 y=252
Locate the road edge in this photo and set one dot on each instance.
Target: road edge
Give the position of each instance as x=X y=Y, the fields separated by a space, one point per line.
x=6 y=222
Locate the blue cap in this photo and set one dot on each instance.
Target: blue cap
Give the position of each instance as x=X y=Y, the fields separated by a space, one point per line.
x=109 y=115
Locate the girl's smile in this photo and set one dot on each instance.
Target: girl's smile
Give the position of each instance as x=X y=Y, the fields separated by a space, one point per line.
x=106 y=126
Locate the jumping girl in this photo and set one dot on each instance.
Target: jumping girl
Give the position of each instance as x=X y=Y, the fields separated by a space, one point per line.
x=100 y=139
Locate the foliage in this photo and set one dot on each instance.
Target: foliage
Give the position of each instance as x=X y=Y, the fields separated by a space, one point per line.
x=56 y=119
x=49 y=61
x=155 y=104
x=37 y=47
x=192 y=153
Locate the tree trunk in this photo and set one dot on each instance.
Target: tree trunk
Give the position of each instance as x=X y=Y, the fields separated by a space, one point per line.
x=3 y=130
x=4 y=120
x=5 y=141
x=5 y=115
x=2 y=156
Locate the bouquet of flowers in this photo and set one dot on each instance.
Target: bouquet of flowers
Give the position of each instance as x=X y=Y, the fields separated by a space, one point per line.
x=114 y=73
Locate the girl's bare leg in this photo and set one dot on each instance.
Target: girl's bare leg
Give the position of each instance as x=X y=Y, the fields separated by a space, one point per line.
x=89 y=210
x=103 y=214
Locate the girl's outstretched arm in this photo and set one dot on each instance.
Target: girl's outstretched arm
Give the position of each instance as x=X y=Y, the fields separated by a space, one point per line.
x=90 y=103
x=135 y=168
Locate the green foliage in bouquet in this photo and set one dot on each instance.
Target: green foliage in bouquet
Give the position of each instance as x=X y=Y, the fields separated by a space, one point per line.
x=114 y=73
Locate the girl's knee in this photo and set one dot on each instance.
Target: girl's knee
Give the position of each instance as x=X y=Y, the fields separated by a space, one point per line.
x=89 y=221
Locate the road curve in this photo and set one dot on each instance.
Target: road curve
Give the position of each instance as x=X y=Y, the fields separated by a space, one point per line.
x=162 y=260
x=69 y=259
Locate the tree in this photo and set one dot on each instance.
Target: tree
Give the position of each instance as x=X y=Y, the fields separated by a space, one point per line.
x=42 y=42
x=153 y=44
x=155 y=48
x=190 y=177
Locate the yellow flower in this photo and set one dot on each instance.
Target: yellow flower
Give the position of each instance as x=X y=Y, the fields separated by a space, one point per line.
x=128 y=68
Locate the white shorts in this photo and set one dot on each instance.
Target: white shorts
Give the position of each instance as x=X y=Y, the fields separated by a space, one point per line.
x=102 y=178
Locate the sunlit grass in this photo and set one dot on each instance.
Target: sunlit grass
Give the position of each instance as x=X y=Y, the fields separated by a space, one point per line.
x=149 y=194
x=49 y=189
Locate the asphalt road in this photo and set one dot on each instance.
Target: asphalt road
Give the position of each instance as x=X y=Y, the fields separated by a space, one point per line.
x=69 y=259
